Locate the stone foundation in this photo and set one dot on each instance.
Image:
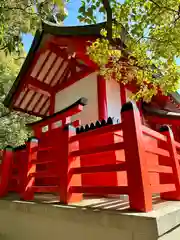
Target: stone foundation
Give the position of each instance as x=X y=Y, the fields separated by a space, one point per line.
x=93 y=219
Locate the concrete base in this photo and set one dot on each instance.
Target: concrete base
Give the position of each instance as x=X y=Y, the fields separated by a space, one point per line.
x=91 y=219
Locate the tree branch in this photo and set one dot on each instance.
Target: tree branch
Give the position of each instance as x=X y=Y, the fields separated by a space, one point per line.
x=161 y=6
x=109 y=18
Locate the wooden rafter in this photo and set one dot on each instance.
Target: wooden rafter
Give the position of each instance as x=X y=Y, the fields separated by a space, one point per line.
x=57 y=72
x=34 y=62
x=64 y=74
x=26 y=92
x=38 y=101
x=52 y=65
x=30 y=100
x=41 y=68
x=44 y=104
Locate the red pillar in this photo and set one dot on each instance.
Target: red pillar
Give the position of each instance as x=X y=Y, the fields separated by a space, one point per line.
x=67 y=179
x=6 y=170
x=122 y=94
x=173 y=162
x=102 y=98
x=32 y=145
x=140 y=195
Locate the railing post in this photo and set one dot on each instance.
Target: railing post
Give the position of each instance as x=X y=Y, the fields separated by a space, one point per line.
x=6 y=170
x=29 y=181
x=66 y=163
x=140 y=196
x=174 y=163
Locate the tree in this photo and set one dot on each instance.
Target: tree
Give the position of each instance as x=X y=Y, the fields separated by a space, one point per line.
x=150 y=30
x=19 y=17
x=12 y=124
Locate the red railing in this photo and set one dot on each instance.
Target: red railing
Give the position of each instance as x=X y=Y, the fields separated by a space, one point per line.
x=45 y=154
x=13 y=170
x=147 y=162
x=146 y=174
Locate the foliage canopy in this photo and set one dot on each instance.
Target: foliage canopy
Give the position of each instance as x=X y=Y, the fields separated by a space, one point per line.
x=150 y=30
x=12 y=124
x=18 y=17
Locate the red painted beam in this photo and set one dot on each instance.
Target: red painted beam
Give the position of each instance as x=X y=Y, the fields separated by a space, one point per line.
x=98 y=149
x=52 y=104
x=57 y=50
x=161 y=120
x=73 y=43
x=102 y=98
x=100 y=189
x=122 y=94
x=38 y=86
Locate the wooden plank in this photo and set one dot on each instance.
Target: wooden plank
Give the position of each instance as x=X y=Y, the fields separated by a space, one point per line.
x=178 y=156
x=99 y=149
x=160 y=169
x=174 y=163
x=45 y=149
x=76 y=109
x=156 y=150
x=177 y=144
x=100 y=131
x=152 y=133
x=43 y=162
x=100 y=189
x=45 y=189
x=44 y=174
x=100 y=168
x=162 y=188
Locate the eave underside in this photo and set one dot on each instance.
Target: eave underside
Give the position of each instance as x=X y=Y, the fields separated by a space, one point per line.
x=57 y=63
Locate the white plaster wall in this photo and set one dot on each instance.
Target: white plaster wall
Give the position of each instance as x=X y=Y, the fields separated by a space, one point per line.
x=113 y=98
x=86 y=87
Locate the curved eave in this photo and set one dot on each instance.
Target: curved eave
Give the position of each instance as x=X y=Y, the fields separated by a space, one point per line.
x=56 y=30
x=34 y=46
x=85 y=30
x=161 y=113
x=176 y=97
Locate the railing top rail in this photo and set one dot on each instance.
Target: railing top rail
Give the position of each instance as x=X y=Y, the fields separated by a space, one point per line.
x=151 y=133
x=177 y=144
x=99 y=131
x=67 y=112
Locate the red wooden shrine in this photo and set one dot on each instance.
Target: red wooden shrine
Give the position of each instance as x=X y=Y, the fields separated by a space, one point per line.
x=90 y=140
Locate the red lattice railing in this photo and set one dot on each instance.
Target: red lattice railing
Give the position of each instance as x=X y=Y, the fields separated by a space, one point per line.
x=125 y=158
